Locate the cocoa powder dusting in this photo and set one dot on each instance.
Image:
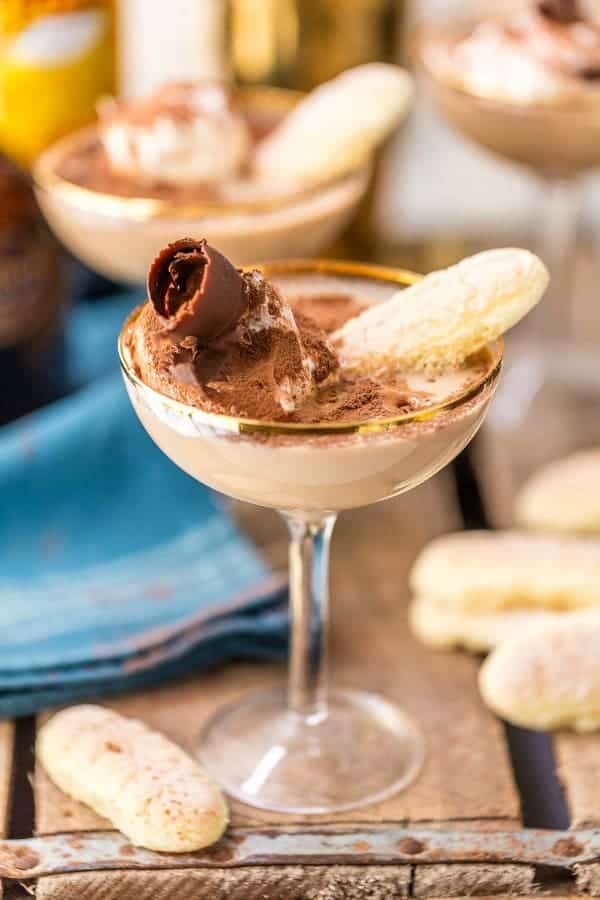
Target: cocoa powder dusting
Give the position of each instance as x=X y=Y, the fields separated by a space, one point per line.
x=331 y=311
x=313 y=339
x=242 y=373
x=88 y=166
x=257 y=369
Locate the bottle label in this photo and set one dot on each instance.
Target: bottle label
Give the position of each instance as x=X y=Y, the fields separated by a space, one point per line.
x=15 y=15
x=56 y=60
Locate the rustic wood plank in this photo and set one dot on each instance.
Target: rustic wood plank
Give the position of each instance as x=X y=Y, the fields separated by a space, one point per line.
x=251 y=883
x=7 y=743
x=154 y=886
x=588 y=879
x=467 y=774
x=476 y=880
x=578 y=766
x=7 y=739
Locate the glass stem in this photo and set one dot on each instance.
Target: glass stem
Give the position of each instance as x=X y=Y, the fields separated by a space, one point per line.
x=558 y=245
x=310 y=538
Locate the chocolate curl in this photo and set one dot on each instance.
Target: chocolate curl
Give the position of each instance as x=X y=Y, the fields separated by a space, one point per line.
x=196 y=290
x=564 y=11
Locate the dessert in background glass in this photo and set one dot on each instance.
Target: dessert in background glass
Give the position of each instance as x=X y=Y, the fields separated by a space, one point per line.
x=525 y=84
x=311 y=387
x=262 y=172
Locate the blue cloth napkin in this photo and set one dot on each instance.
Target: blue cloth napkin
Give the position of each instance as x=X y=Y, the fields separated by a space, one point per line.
x=117 y=570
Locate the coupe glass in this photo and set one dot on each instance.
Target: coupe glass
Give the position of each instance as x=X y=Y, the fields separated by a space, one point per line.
x=309 y=748
x=559 y=144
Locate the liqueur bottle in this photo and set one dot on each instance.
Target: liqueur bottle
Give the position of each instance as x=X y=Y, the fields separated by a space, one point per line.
x=32 y=358
x=300 y=43
x=56 y=60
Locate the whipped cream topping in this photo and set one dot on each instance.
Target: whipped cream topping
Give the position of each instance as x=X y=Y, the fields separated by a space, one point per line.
x=491 y=63
x=185 y=134
x=570 y=45
x=273 y=313
x=536 y=55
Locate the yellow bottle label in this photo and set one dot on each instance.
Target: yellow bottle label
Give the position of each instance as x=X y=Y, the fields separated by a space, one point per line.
x=17 y=14
x=56 y=60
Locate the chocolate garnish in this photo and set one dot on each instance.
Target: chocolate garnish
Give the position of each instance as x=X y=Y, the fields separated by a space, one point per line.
x=196 y=290
x=564 y=11
x=589 y=73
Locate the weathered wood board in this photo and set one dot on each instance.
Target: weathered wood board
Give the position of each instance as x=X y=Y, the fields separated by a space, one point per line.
x=578 y=765
x=467 y=775
x=7 y=736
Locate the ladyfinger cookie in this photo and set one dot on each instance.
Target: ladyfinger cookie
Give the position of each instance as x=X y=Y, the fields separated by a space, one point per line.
x=442 y=626
x=548 y=676
x=449 y=315
x=561 y=496
x=487 y=571
x=337 y=126
x=149 y=788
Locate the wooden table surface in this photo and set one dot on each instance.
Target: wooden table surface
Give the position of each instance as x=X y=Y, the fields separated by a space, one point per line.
x=468 y=779
x=467 y=774
x=478 y=774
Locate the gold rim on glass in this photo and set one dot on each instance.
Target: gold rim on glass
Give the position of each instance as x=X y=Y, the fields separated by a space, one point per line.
x=241 y=425
x=264 y=99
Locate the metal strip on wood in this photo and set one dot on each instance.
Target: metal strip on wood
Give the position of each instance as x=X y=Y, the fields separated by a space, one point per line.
x=102 y=851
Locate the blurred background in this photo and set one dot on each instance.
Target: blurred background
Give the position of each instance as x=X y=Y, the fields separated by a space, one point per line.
x=58 y=58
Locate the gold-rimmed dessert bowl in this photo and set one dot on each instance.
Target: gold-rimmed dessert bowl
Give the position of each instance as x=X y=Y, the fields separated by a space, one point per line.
x=119 y=235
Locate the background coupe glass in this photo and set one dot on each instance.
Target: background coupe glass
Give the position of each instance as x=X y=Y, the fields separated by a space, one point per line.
x=549 y=402
x=120 y=236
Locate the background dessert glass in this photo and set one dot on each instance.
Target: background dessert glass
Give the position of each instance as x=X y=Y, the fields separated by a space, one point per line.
x=120 y=236
x=558 y=142
x=318 y=750
x=549 y=401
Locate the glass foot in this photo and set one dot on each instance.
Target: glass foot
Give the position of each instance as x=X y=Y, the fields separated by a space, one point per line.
x=360 y=751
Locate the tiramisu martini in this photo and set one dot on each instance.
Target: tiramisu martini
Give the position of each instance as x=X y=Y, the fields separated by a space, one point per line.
x=313 y=387
x=262 y=173
x=526 y=85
